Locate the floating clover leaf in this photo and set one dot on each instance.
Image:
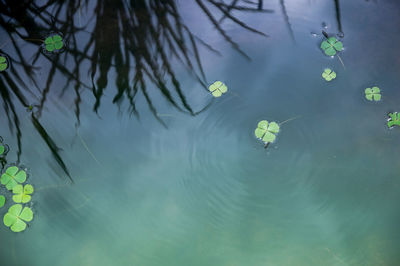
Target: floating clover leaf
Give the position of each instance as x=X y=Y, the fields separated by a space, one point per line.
x=328 y=74
x=12 y=177
x=22 y=194
x=266 y=131
x=2 y=201
x=2 y=149
x=3 y=63
x=54 y=42
x=394 y=120
x=373 y=94
x=218 y=88
x=16 y=217
x=331 y=45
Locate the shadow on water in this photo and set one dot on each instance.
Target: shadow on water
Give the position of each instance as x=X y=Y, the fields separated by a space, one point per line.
x=137 y=39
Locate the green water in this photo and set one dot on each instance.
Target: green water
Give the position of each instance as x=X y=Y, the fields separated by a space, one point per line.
x=204 y=191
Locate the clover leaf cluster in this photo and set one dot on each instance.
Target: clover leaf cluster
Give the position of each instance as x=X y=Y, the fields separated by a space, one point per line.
x=218 y=88
x=331 y=46
x=2 y=200
x=266 y=131
x=328 y=74
x=373 y=94
x=3 y=63
x=394 y=120
x=18 y=215
x=54 y=43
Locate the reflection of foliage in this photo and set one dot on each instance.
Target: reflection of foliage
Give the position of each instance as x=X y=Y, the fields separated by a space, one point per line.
x=135 y=38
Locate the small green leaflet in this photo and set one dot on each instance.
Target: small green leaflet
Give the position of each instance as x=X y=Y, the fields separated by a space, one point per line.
x=2 y=201
x=373 y=94
x=22 y=194
x=16 y=217
x=3 y=63
x=394 y=120
x=266 y=131
x=328 y=74
x=54 y=43
x=331 y=46
x=218 y=88
x=12 y=177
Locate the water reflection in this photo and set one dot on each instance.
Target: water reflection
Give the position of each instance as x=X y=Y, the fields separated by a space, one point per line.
x=138 y=40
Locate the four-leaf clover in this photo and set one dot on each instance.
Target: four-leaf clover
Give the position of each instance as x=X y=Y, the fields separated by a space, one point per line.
x=54 y=42
x=331 y=45
x=16 y=217
x=12 y=177
x=2 y=201
x=22 y=194
x=373 y=94
x=3 y=63
x=266 y=131
x=218 y=88
x=394 y=120
x=328 y=74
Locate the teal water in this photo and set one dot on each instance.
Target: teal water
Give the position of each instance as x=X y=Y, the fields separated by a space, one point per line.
x=203 y=190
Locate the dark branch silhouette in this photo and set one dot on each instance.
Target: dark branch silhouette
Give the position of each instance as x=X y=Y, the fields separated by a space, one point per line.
x=338 y=17
x=286 y=17
x=138 y=39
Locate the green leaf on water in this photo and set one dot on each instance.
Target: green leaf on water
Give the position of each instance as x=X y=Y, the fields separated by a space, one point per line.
x=2 y=149
x=328 y=74
x=16 y=217
x=373 y=94
x=266 y=131
x=22 y=194
x=53 y=43
x=12 y=177
x=3 y=63
x=2 y=200
x=331 y=46
x=218 y=88
x=394 y=120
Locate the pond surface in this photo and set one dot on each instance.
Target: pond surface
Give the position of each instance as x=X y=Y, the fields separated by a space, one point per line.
x=201 y=189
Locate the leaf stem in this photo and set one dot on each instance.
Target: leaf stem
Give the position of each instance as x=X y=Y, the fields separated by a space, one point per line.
x=341 y=61
x=290 y=119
